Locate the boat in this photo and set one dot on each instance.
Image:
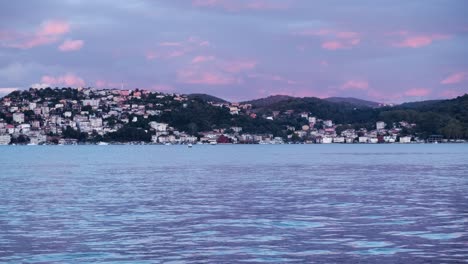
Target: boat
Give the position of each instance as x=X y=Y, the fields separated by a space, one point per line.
x=168 y=144
x=213 y=142
x=103 y=143
x=190 y=145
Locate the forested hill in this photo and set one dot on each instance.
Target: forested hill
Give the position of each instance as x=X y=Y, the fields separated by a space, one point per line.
x=353 y=101
x=446 y=117
x=206 y=98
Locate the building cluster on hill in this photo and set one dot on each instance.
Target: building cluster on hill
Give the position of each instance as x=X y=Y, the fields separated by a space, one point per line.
x=84 y=115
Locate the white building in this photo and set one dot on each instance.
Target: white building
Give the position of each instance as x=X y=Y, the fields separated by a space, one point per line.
x=96 y=122
x=338 y=140
x=380 y=125
x=5 y=139
x=45 y=110
x=328 y=123
x=18 y=117
x=363 y=139
x=237 y=129
x=91 y=102
x=159 y=127
x=405 y=139
x=38 y=139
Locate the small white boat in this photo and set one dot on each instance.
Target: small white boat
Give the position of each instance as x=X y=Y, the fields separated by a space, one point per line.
x=168 y=144
x=103 y=143
x=190 y=145
x=213 y=142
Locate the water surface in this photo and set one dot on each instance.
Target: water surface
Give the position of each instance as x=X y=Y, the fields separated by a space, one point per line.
x=234 y=203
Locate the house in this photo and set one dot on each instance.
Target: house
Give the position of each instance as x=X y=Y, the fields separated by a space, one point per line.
x=234 y=110
x=405 y=139
x=5 y=139
x=18 y=117
x=380 y=125
x=338 y=140
x=159 y=127
x=38 y=139
x=96 y=121
x=237 y=129
x=363 y=139
x=91 y=102
x=328 y=123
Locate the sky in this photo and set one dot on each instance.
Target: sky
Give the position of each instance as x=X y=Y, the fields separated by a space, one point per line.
x=388 y=51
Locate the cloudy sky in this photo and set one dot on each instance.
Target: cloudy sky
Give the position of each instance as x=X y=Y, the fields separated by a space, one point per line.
x=387 y=51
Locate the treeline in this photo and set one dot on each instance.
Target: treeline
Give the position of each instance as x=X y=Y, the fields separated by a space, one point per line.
x=444 y=117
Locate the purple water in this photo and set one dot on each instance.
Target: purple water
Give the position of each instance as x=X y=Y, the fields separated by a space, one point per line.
x=234 y=204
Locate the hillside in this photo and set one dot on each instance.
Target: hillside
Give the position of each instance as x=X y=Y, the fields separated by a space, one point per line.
x=353 y=101
x=206 y=98
x=270 y=100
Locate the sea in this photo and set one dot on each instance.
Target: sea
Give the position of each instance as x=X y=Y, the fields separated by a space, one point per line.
x=398 y=203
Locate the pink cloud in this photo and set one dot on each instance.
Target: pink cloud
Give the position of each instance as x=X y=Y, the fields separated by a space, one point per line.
x=417 y=92
x=201 y=59
x=411 y=40
x=192 y=76
x=49 y=32
x=333 y=45
x=71 y=45
x=54 y=28
x=32 y=42
x=457 y=77
x=355 y=85
x=68 y=79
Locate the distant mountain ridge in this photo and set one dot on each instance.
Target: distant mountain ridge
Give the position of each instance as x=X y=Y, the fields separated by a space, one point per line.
x=272 y=99
x=206 y=98
x=353 y=101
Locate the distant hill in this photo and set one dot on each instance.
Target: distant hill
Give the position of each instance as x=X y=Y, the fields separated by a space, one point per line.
x=263 y=102
x=353 y=101
x=206 y=98
x=420 y=104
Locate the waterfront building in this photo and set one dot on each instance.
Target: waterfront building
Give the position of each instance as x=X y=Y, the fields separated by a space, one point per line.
x=5 y=139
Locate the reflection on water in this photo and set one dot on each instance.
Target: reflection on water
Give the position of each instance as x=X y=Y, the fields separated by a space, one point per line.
x=170 y=204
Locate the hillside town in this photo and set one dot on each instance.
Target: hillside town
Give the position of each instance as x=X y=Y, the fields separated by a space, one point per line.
x=89 y=116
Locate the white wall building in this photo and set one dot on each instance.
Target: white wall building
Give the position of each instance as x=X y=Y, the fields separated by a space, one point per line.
x=159 y=127
x=18 y=117
x=5 y=139
x=380 y=125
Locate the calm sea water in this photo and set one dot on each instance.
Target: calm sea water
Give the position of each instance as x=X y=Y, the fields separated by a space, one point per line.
x=225 y=204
